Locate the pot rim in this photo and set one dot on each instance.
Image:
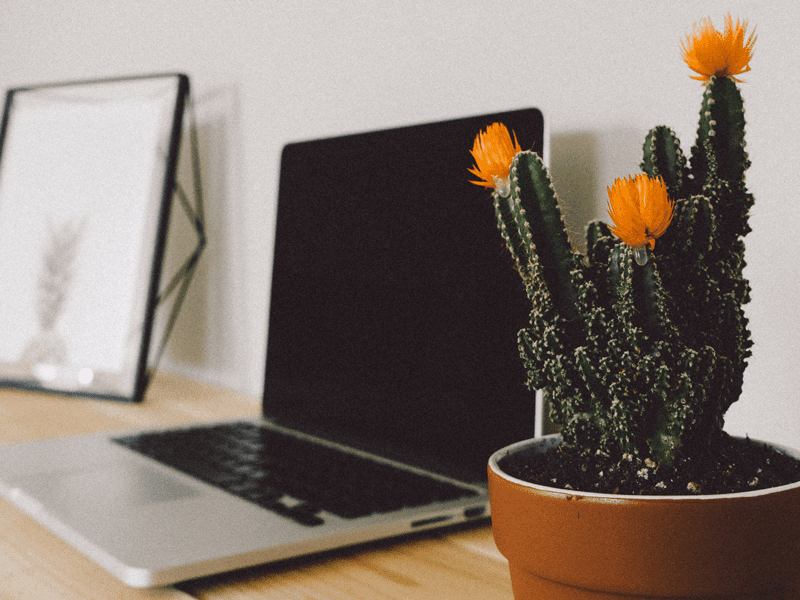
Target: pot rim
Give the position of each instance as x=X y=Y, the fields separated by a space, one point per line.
x=554 y=439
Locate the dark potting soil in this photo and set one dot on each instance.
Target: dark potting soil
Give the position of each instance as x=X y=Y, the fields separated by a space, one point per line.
x=737 y=465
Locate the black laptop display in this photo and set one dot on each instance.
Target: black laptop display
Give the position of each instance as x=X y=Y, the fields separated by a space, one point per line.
x=395 y=308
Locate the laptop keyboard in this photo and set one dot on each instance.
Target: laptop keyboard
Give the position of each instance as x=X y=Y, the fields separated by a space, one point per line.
x=288 y=475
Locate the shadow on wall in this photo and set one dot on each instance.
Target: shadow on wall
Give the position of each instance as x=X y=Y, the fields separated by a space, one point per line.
x=188 y=340
x=203 y=337
x=583 y=164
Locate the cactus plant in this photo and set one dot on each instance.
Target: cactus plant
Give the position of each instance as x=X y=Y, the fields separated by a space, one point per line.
x=640 y=345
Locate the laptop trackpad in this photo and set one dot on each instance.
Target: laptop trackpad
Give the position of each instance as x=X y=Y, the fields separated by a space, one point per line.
x=106 y=487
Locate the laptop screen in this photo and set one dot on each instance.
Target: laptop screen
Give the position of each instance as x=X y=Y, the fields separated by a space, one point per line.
x=395 y=307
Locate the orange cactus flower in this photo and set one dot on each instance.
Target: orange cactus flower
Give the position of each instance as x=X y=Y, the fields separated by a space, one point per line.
x=711 y=53
x=641 y=210
x=493 y=152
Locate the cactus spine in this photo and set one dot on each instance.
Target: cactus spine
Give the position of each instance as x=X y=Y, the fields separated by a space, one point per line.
x=637 y=359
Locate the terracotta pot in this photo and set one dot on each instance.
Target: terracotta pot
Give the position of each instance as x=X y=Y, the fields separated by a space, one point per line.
x=565 y=545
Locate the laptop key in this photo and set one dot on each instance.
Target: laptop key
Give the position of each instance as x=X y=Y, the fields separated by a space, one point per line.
x=303 y=513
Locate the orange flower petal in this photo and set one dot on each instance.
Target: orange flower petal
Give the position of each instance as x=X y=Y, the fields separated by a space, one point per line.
x=641 y=210
x=493 y=152
x=711 y=53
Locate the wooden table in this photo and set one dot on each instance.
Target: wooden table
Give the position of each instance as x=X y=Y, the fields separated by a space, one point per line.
x=454 y=565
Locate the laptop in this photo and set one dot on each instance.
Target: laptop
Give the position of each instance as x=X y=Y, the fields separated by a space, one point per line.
x=391 y=360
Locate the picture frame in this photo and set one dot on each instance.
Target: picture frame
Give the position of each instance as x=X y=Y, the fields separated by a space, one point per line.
x=87 y=178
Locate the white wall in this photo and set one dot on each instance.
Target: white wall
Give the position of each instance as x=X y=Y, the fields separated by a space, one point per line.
x=266 y=72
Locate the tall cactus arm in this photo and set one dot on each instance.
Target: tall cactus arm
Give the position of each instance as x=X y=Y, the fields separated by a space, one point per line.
x=648 y=295
x=663 y=157
x=639 y=297
x=506 y=222
x=720 y=142
x=539 y=221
